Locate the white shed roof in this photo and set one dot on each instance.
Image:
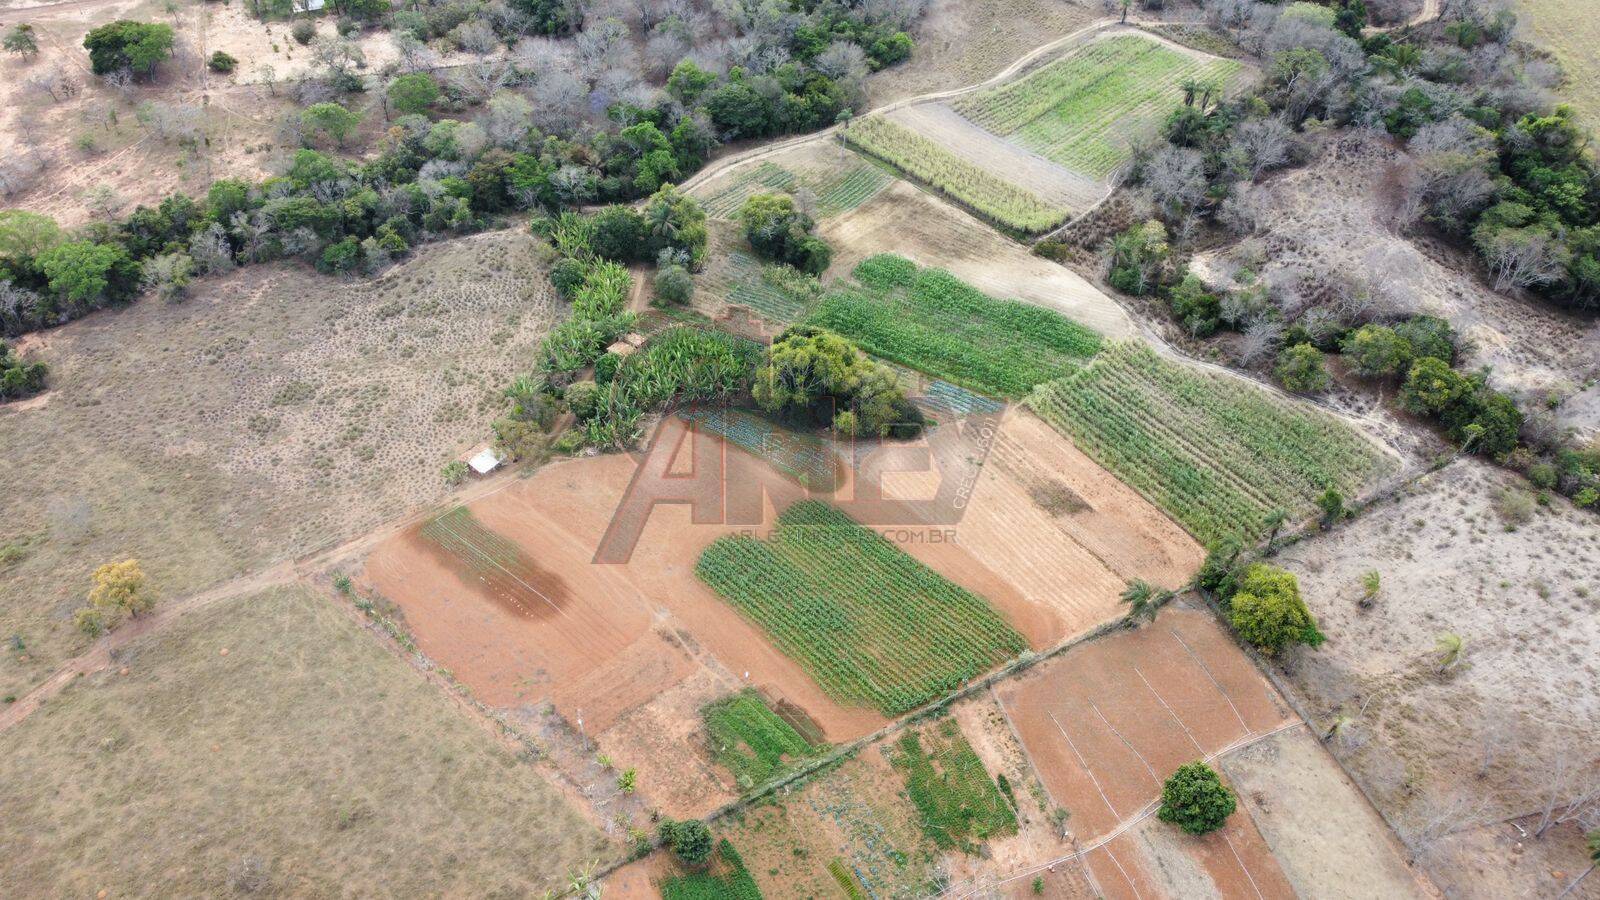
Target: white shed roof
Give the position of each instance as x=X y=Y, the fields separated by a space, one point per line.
x=484 y=461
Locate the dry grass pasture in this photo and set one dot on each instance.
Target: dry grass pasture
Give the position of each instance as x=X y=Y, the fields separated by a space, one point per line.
x=1465 y=550
x=267 y=745
x=274 y=412
x=1570 y=31
x=962 y=42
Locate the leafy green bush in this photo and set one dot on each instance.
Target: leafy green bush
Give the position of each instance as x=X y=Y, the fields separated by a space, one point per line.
x=222 y=63
x=689 y=840
x=674 y=285
x=1267 y=610
x=1196 y=800
x=125 y=44
x=1300 y=370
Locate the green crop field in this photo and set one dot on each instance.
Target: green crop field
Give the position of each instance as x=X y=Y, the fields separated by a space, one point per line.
x=925 y=160
x=1217 y=453
x=931 y=321
x=732 y=882
x=839 y=190
x=957 y=802
x=1084 y=110
x=806 y=457
x=873 y=626
x=752 y=740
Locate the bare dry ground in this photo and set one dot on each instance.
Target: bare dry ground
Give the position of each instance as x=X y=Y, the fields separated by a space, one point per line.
x=962 y=42
x=1466 y=550
x=1330 y=222
x=274 y=412
x=267 y=745
x=237 y=114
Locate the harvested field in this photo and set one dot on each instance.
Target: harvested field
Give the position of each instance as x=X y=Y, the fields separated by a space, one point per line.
x=1085 y=110
x=1330 y=225
x=934 y=322
x=931 y=232
x=1464 y=550
x=1217 y=452
x=1570 y=31
x=274 y=412
x=1326 y=837
x=267 y=744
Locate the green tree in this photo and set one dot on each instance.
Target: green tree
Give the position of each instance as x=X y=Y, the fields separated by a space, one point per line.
x=415 y=93
x=20 y=40
x=674 y=285
x=779 y=231
x=25 y=235
x=1196 y=800
x=1375 y=351
x=119 y=590
x=813 y=374
x=688 y=81
x=690 y=840
x=1268 y=612
x=330 y=119
x=1138 y=256
x=619 y=234
x=86 y=272
x=125 y=44
x=1300 y=370
x=222 y=63
x=1432 y=387
x=1331 y=502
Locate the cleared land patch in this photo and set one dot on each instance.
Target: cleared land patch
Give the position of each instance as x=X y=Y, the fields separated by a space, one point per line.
x=932 y=321
x=1570 y=30
x=1085 y=110
x=872 y=625
x=307 y=761
x=1216 y=452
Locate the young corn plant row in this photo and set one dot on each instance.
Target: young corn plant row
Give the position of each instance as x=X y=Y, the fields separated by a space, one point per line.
x=1217 y=454
x=873 y=626
x=979 y=189
x=929 y=320
x=1084 y=110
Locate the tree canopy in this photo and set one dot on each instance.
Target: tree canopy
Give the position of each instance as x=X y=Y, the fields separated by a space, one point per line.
x=1195 y=799
x=126 y=44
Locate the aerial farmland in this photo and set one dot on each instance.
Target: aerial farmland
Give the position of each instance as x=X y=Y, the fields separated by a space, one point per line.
x=732 y=450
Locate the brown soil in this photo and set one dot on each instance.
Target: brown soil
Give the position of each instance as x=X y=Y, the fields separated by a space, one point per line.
x=1107 y=722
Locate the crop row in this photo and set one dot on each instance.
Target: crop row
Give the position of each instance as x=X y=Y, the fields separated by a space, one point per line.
x=1216 y=453
x=873 y=626
x=926 y=160
x=804 y=456
x=765 y=177
x=1084 y=110
x=933 y=322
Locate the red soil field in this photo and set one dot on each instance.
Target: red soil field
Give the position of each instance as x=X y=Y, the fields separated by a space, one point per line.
x=1107 y=722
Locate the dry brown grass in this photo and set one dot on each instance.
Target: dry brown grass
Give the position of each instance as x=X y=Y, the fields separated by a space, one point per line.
x=274 y=412
x=308 y=761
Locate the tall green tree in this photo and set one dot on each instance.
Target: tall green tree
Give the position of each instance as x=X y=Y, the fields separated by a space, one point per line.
x=126 y=44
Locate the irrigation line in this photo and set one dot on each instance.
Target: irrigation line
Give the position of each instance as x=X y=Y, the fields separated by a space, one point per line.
x=1170 y=712
x=1240 y=861
x=1125 y=876
x=439 y=521
x=1126 y=743
x=1214 y=683
x=1085 y=764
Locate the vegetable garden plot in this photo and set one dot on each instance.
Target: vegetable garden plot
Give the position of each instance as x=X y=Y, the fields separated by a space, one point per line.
x=933 y=322
x=752 y=740
x=873 y=626
x=956 y=799
x=767 y=177
x=742 y=280
x=1085 y=110
x=1215 y=452
x=838 y=190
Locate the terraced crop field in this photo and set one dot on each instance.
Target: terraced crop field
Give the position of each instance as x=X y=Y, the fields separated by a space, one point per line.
x=872 y=625
x=837 y=190
x=931 y=321
x=1085 y=110
x=1215 y=452
x=926 y=160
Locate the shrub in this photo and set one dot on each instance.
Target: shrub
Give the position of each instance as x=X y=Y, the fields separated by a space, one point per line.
x=1196 y=800
x=690 y=840
x=454 y=472
x=619 y=234
x=1375 y=351
x=674 y=285
x=778 y=231
x=415 y=93
x=1267 y=610
x=1199 y=310
x=1429 y=336
x=582 y=397
x=1137 y=258
x=567 y=275
x=303 y=30
x=221 y=62
x=125 y=44
x=1300 y=370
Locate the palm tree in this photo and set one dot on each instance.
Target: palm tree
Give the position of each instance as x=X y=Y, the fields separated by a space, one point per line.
x=1143 y=600
x=1451 y=646
x=1594 y=860
x=1190 y=86
x=1274 y=523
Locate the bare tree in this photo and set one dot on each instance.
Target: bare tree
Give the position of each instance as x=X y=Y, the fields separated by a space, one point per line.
x=475 y=36
x=1176 y=179
x=481 y=79
x=167 y=275
x=56 y=81
x=1571 y=789
x=121 y=81
x=1441 y=818
x=173 y=122
x=1524 y=257
x=413 y=53
x=269 y=77
x=211 y=251
x=1261 y=340
x=1245 y=210
x=1264 y=144
x=509 y=118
